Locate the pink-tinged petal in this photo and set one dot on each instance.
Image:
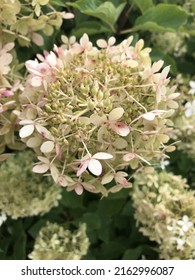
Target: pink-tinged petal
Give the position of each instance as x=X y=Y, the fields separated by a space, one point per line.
x=121 y=180
x=54 y=173
x=47 y=147
x=95 y=167
x=102 y=155
x=58 y=151
x=84 y=40
x=40 y=168
x=129 y=156
x=116 y=114
x=8 y=46
x=62 y=181
x=7 y=93
x=37 y=39
x=83 y=166
x=120 y=128
x=36 y=81
x=44 y=132
x=26 y=131
x=78 y=189
x=51 y=59
x=148 y=116
x=43 y=68
x=67 y=15
x=31 y=65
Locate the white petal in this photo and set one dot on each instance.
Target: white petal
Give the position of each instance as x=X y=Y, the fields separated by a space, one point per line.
x=111 y=41
x=51 y=59
x=24 y=122
x=120 y=128
x=36 y=81
x=47 y=147
x=102 y=43
x=83 y=166
x=95 y=167
x=116 y=114
x=148 y=116
x=97 y=120
x=102 y=155
x=157 y=66
x=40 y=168
x=26 y=131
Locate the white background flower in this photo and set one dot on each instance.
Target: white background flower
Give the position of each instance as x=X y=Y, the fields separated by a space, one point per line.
x=185 y=223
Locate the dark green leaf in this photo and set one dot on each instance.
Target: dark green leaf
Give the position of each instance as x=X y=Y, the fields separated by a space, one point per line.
x=132 y=254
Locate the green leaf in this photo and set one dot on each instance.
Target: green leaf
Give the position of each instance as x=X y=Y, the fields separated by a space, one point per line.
x=19 y=239
x=92 y=220
x=162 y=17
x=71 y=199
x=105 y=11
x=109 y=207
x=34 y=230
x=132 y=254
x=143 y=5
x=89 y=27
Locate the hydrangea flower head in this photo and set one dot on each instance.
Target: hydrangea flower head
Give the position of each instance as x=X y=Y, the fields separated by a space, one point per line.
x=56 y=242
x=86 y=109
x=21 y=196
x=164 y=209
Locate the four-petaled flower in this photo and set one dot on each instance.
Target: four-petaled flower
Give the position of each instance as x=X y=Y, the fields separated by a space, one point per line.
x=185 y=223
x=190 y=108
x=119 y=127
x=92 y=163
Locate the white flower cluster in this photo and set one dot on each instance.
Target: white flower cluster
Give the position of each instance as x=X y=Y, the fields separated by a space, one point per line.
x=55 y=242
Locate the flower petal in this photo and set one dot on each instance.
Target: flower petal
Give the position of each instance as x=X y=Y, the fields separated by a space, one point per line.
x=26 y=131
x=40 y=168
x=107 y=178
x=148 y=116
x=116 y=114
x=129 y=156
x=120 y=128
x=102 y=155
x=95 y=167
x=33 y=142
x=83 y=166
x=47 y=146
x=97 y=120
